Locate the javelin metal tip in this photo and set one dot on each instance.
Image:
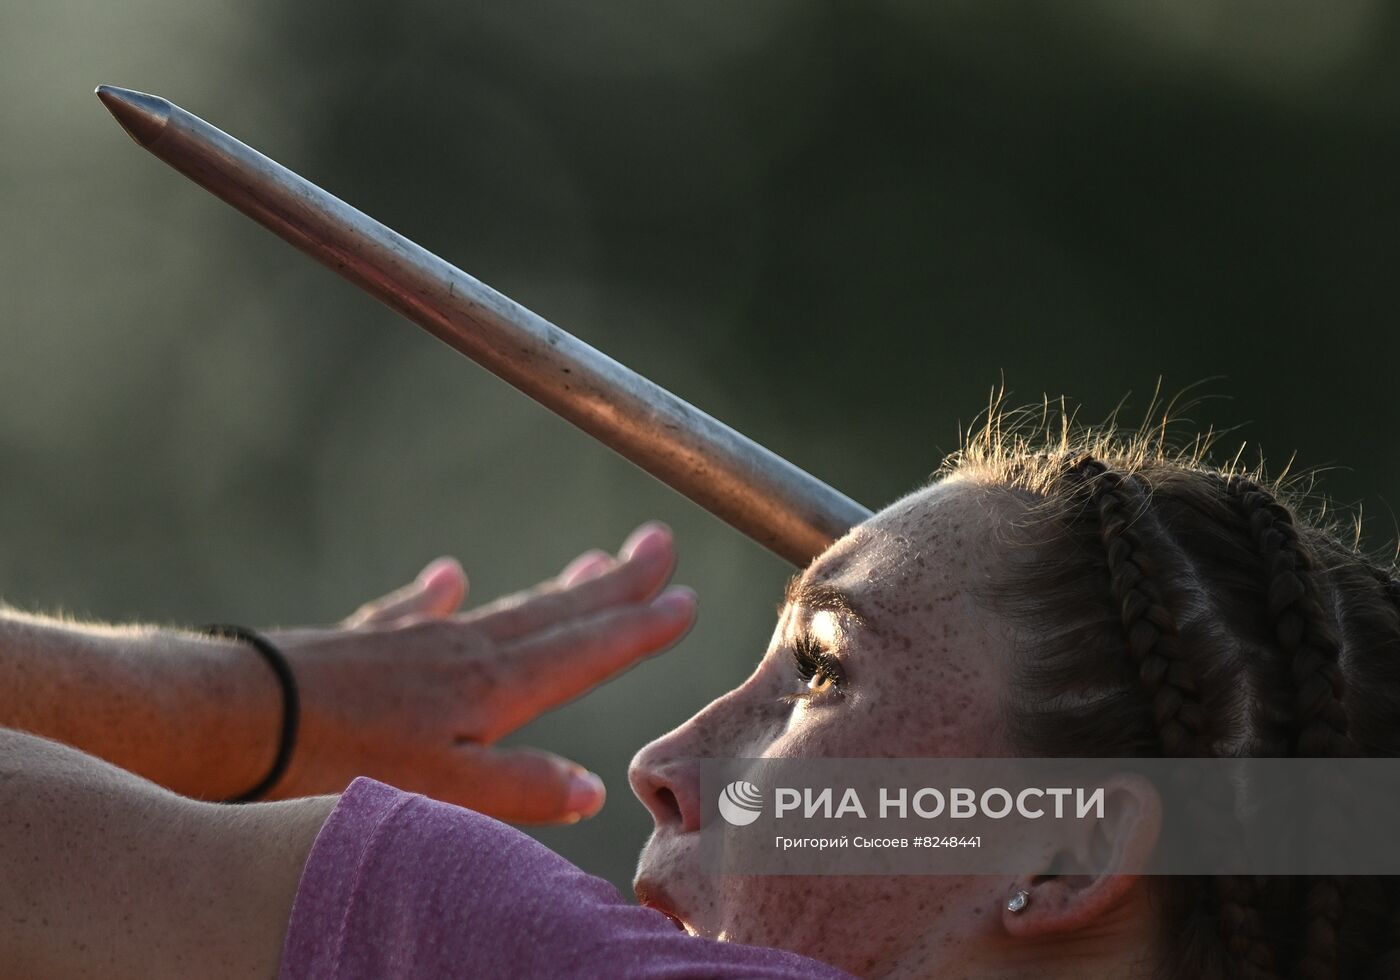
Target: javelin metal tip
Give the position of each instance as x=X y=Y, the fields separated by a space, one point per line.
x=142 y=116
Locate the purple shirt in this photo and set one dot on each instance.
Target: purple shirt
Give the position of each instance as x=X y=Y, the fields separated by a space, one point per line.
x=398 y=885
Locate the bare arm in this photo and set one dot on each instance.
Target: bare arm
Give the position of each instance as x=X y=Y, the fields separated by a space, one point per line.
x=103 y=874
x=199 y=716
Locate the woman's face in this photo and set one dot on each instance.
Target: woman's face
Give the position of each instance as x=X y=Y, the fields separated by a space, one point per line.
x=919 y=671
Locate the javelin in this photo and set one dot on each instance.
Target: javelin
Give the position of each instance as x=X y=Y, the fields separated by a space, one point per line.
x=780 y=506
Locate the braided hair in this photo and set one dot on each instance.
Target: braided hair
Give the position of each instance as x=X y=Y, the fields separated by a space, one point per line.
x=1177 y=610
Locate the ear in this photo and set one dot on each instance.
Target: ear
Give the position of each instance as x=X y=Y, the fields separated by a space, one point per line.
x=1098 y=868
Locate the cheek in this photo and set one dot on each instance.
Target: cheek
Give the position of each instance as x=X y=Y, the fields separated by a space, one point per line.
x=860 y=924
x=925 y=699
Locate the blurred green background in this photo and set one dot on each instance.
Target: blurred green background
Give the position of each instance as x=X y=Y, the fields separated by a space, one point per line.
x=833 y=225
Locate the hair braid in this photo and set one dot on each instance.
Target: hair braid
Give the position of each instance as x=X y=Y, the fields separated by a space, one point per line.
x=1243 y=927
x=1167 y=675
x=1303 y=630
x=1169 y=680
x=1301 y=626
x=1387 y=950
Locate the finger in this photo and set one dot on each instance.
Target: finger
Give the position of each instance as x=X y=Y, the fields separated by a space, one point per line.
x=649 y=552
x=547 y=669
x=437 y=591
x=522 y=785
x=645 y=564
x=588 y=565
x=527 y=785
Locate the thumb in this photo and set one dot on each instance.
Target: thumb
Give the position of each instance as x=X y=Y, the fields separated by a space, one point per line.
x=528 y=785
x=437 y=591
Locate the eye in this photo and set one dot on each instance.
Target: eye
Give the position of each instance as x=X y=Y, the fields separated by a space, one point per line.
x=819 y=672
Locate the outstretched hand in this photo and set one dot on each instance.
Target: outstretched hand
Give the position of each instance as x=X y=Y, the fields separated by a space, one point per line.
x=411 y=691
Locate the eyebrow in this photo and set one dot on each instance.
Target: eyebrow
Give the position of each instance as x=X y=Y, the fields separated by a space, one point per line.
x=822 y=598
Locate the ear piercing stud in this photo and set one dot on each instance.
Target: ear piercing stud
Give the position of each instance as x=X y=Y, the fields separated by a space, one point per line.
x=1018 y=901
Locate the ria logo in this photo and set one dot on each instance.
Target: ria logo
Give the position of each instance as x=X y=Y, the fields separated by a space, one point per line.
x=740 y=803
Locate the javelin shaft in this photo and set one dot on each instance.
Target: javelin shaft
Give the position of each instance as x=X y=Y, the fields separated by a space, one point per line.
x=761 y=494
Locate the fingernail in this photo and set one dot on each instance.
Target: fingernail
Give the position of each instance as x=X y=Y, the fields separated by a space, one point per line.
x=586 y=566
x=440 y=571
x=677 y=599
x=586 y=794
x=648 y=540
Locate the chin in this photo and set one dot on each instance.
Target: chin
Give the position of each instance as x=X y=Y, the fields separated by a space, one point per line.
x=665 y=881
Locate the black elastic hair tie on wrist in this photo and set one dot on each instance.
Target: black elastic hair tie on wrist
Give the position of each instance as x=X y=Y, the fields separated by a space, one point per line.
x=291 y=703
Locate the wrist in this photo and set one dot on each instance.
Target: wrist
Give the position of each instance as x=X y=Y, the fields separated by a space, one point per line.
x=308 y=772
x=277 y=663
x=219 y=713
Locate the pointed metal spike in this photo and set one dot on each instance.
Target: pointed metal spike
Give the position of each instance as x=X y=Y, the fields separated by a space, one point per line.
x=142 y=116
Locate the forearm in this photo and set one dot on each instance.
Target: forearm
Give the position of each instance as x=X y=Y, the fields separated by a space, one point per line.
x=108 y=875
x=198 y=716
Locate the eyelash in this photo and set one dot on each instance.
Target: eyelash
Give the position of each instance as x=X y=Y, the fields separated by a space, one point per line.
x=811 y=660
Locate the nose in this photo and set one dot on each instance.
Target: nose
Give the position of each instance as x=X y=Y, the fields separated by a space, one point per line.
x=665 y=774
x=667 y=783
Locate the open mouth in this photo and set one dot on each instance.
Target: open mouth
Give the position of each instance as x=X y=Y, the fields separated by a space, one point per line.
x=655 y=897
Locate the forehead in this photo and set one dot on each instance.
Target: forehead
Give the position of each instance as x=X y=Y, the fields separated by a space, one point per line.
x=932 y=667
x=935 y=541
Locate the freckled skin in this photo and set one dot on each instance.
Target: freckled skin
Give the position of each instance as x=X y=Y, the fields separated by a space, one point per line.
x=927 y=680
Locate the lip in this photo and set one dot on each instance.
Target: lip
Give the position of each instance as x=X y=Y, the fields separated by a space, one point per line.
x=654 y=896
